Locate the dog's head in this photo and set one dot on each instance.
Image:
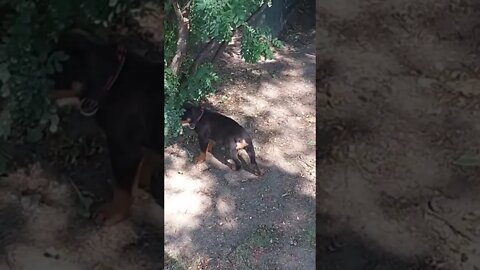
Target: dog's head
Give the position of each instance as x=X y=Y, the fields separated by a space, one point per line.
x=191 y=115
x=91 y=61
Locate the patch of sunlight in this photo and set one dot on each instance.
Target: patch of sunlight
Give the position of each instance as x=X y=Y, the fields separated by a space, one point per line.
x=184 y=201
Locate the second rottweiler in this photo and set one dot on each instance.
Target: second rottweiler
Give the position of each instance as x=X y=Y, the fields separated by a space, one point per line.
x=127 y=93
x=213 y=128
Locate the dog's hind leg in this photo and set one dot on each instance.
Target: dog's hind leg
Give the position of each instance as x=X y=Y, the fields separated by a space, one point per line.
x=210 y=146
x=149 y=177
x=234 y=162
x=204 y=147
x=152 y=162
x=251 y=154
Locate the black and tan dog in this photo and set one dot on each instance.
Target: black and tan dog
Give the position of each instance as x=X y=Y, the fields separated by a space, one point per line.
x=124 y=92
x=214 y=128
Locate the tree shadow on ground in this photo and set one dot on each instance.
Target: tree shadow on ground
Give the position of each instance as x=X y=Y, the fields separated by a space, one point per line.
x=231 y=220
x=338 y=247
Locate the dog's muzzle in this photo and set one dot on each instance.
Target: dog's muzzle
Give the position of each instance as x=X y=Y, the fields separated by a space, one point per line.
x=189 y=125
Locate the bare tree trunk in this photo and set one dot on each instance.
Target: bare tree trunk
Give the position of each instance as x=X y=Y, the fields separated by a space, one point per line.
x=219 y=51
x=202 y=55
x=183 y=30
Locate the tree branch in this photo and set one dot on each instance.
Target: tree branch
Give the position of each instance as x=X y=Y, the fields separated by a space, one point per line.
x=219 y=51
x=256 y=13
x=202 y=55
x=183 y=30
x=187 y=5
x=216 y=48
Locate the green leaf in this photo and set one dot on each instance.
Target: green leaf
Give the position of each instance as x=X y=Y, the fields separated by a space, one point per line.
x=468 y=160
x=119 y=9
x=34 y=135
x=54 y=121
x=110 y=17
x=112 y=3
x=62 y=56
x=49 y=69
x=4 y=73
x=58 y=66
x=3 y=163
x=5 y=90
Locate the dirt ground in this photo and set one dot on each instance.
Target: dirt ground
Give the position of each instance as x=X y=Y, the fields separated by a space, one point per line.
x=398 y=126
x=216 y=218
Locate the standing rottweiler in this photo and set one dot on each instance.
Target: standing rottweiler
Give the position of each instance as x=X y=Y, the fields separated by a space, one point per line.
x=212 y=128
x=124 y=92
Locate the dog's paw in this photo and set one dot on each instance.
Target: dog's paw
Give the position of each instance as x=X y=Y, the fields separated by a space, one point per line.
x=110 y=214
x=257 y=172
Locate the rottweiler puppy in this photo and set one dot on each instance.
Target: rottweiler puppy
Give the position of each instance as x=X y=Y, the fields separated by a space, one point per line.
x=214 y=128
x=124 y=92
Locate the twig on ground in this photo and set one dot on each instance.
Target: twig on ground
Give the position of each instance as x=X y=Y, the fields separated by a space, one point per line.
x=449 y=224
x=79 y=194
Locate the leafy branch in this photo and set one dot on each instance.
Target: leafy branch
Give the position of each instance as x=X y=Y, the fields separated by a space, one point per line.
x=196 y=33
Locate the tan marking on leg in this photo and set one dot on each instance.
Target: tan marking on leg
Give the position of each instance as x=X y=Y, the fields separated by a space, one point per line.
x=210 y=146
x=152 y=162
x=118 y=209
x=241 y=144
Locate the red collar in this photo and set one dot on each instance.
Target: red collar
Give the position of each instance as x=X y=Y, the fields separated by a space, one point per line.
x=89 y=106
x=121 y=55
x=193 y=124
x=201 y=114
